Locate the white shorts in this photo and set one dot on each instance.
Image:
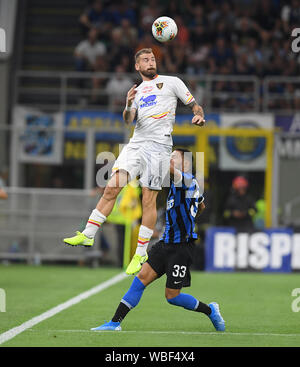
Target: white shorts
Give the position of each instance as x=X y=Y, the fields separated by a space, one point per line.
x=149 y=160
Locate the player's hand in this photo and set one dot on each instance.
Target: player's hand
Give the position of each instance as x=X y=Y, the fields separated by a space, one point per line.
x=131 y=95
x=198 y=120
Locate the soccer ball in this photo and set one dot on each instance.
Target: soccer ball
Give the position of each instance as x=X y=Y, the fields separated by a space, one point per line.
x=164 y=29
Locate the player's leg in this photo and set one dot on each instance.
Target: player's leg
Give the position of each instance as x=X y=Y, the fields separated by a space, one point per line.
x=149 y=217
x=102 y=210
x=178 y=276
x=106 y=203
x=187 y=301
x=131 y=298
x=155 y=160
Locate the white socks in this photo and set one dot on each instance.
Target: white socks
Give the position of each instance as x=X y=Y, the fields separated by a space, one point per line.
x=94 y=223
x=145 y=235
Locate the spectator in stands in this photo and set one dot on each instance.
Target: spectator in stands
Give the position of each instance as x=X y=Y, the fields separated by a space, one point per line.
x=89 y=53
x=253 y=56
x=221 y=53
x=90 y=56
x=196 y=15
x=240 y=207
x=245 y=28
x=95 y=16
x=176 y=8
x=148 y=13
x=118 y=86
x=119 y=53
x=123 y=10
x=220 y=37
x=128 y=33
x=183 y=34
x=290 y=15
x=175 y=58
x=3 y=183
x=148 y=42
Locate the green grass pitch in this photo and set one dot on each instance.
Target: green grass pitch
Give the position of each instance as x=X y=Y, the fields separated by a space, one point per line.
x=256 y=307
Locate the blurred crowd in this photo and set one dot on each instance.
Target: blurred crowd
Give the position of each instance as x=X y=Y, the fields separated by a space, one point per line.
x=232 y=37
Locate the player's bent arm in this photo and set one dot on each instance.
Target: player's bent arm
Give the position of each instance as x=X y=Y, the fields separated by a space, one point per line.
x=128 y=116
x=198 y=112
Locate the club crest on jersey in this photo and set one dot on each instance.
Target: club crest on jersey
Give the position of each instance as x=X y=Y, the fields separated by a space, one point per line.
x=148 y=101
x=159 y=85
x=170 y=204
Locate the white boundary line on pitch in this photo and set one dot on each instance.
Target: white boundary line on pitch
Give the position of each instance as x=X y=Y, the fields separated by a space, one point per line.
x=169 y=332
x=4 y=337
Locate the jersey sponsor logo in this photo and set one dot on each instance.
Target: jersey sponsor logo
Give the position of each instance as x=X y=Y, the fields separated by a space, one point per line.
x=159 y=85
x=148 y=101
x=147 y=89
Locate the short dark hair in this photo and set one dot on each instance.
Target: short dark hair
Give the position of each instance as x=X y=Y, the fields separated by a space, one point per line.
x=189 y=157
x=141 y=52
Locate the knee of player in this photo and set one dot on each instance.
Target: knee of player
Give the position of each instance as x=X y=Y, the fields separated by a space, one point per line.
x=110 y=193
x=170 y=294
x=142 y=277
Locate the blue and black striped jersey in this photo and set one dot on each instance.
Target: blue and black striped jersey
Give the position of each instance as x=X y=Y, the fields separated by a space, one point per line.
x=182 y=206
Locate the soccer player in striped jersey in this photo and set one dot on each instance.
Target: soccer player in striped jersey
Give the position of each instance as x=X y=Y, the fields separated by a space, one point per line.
x=153 y=104
x=173 y=254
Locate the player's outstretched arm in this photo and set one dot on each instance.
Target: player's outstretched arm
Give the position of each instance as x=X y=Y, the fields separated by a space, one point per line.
x=198 y=119
x=129 y=112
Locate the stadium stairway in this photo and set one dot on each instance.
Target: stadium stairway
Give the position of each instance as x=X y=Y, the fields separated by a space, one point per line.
x=51 y=31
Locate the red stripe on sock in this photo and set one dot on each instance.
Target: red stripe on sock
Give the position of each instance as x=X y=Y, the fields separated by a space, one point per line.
x=95 y=224
x=143 y=243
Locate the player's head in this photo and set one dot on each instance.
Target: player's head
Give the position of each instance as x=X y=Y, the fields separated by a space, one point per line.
x=240 y=185
x=183 y=160
x=145 y=63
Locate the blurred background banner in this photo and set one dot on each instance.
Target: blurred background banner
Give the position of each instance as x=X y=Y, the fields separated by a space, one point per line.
x=107 y=127
x=40 y=135
x=244 y=153
x=272 y=250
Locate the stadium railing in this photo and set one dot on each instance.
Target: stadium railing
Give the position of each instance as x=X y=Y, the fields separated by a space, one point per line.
x=34 y=221
x=73 y=90
x=281 y=94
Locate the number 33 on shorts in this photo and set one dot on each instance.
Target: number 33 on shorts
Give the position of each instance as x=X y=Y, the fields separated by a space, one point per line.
x=179 y=271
